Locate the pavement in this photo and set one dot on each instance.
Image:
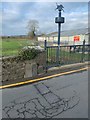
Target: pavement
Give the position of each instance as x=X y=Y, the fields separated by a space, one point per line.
x=59 y=97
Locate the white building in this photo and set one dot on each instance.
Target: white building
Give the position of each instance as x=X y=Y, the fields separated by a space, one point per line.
x=70 y=37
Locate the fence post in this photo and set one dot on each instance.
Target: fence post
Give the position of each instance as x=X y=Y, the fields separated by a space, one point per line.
x=83 y=50
x=45 y=48
x=45 y=44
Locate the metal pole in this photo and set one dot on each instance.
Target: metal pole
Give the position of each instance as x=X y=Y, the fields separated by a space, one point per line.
x=46 y=58
x=45 y=44
x=58 y=50
x=83 y=50
x=59 y=20
x=59 y=28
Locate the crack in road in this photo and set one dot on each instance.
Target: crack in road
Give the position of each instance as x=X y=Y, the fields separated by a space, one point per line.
x=34 y=108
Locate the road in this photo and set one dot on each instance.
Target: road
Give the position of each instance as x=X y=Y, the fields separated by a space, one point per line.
x=60 y=97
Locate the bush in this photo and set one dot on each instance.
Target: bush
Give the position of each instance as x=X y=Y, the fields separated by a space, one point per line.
x=28 y=54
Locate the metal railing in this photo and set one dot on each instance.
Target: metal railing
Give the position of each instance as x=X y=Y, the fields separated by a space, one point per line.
x=69 y=54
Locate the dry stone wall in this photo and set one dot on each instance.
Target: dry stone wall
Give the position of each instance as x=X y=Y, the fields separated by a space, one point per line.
x=15 y=69
x=12 y=68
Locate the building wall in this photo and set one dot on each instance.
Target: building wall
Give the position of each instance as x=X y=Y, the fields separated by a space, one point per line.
x=65 y=40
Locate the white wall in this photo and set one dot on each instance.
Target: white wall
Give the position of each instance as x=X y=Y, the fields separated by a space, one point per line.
x=68 y=39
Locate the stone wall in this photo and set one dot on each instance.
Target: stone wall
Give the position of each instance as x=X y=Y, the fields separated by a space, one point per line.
x=15 y=69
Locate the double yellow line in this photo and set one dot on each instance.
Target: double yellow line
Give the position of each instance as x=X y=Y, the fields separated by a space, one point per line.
x=43 y=78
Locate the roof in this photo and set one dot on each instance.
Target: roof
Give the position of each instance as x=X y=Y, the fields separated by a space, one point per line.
x=71 y=32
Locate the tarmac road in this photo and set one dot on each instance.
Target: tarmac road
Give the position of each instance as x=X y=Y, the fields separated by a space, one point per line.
x=60 y=97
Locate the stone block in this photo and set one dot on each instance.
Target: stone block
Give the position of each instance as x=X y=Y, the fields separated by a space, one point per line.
x=30 y=69
x=34 y=69
x=40 y=70
x=0 y=78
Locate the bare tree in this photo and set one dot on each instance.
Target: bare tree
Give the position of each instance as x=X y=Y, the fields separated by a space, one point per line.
x=32 y=26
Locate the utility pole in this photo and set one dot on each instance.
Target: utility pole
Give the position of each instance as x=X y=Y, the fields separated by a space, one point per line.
x=59 y=20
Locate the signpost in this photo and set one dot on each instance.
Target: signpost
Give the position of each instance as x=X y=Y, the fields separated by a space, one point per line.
x=59 y=20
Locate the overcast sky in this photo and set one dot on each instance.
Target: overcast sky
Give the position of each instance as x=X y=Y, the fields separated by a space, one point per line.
x=17 y=14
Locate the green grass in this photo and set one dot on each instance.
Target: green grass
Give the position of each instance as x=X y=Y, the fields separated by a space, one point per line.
x=11 y=46
x=14 y=43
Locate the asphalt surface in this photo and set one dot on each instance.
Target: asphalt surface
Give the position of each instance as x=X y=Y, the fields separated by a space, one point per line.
x=59 y=97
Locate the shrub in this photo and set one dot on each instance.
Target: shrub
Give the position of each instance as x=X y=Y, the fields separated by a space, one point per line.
x=28 y=54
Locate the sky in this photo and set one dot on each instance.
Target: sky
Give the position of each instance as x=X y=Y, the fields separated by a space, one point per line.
x=15 y=16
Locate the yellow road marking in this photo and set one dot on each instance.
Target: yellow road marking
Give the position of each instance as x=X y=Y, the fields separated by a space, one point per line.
x=43 y=78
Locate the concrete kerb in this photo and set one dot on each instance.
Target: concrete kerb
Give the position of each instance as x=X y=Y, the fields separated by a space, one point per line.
x=69 y=67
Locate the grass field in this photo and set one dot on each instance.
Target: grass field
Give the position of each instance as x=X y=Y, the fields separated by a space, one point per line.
x=11 y=46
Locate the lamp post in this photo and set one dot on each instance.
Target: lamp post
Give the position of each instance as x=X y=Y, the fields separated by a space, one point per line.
x=59 y=20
